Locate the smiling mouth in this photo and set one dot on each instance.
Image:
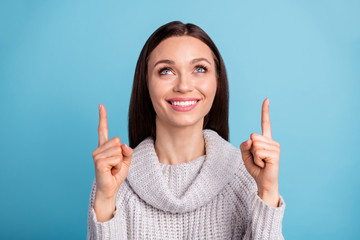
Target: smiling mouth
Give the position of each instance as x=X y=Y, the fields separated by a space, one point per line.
x=183 y=103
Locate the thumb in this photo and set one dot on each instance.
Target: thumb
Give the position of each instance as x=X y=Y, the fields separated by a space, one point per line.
x=127 y=154
x=247 y=156
x=245 y=146
x=125 y=163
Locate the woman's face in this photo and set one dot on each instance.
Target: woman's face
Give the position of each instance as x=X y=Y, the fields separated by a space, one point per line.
x=182 y=81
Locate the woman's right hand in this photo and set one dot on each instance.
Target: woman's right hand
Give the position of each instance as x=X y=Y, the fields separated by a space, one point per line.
x=112 y=161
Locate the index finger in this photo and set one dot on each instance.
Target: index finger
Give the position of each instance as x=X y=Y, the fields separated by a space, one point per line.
x=265 y=119
x=103 y=127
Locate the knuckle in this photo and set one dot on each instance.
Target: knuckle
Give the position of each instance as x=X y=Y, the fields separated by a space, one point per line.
x=277 y=146
x=278 y=150
x=275 y=142
x=94 y=153
x=117 y=140
x=98 y=164
x=118 y=150
x=96 y=158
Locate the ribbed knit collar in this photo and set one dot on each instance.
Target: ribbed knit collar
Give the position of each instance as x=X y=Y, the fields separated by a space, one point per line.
x=146 y=179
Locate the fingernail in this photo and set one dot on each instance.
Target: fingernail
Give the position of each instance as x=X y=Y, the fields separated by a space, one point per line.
x=246 y=143
x=99 y=107
x=127 y=147
x=268 y=101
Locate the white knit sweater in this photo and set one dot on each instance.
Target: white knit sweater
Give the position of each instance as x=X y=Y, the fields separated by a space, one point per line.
x=211 y=197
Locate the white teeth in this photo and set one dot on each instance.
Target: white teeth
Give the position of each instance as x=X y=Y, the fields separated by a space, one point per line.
x=183 y=103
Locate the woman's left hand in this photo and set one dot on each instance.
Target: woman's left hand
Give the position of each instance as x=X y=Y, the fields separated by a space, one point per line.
x=261 y=156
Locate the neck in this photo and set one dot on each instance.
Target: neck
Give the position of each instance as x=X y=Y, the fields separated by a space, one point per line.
x=175 y=145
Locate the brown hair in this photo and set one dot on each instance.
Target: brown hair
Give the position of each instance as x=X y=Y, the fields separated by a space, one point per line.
x=141 y=111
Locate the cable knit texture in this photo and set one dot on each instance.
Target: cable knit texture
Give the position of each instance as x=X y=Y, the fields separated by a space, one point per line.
x=210 y=197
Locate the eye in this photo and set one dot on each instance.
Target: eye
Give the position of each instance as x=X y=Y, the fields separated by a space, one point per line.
x=201 y=68
x=164 y=71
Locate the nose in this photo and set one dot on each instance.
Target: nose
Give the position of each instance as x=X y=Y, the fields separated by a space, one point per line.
x=183 y=83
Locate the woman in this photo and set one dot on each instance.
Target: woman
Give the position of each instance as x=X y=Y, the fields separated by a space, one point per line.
x=180 y=177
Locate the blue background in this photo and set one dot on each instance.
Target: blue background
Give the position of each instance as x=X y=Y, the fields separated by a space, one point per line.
x=60 y=59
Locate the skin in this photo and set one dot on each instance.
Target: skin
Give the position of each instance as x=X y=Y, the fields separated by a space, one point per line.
x=261 y=155
x=112 y=160
x=179 y=134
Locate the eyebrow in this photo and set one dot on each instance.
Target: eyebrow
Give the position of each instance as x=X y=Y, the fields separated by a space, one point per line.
x=168 y=61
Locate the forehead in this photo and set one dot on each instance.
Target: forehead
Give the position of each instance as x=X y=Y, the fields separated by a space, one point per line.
x=181 y=50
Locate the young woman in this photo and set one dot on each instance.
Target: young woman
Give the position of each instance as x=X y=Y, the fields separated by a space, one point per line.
x=180 y=178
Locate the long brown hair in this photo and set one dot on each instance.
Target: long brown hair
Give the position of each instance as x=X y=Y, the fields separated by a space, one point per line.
x=141 y=111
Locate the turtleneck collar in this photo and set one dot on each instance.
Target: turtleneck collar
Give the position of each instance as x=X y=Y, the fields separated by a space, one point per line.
x=145 y=177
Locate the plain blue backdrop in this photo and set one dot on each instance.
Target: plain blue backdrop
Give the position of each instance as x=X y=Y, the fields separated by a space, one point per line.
x=60 y=59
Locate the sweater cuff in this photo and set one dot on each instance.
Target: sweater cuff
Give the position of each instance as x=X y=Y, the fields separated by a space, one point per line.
x=267 y=220
x=110 y=229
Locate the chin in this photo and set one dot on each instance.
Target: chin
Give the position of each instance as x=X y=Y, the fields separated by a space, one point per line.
x=186 y=122
x=180 y=121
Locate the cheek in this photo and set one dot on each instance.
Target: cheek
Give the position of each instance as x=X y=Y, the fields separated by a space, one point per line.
x=157 y=91
x=153 y=86
x=152 y=89
x=208 y=88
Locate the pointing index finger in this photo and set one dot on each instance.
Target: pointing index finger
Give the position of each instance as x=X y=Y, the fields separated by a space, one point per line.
x=265 y=119
x=103 y=127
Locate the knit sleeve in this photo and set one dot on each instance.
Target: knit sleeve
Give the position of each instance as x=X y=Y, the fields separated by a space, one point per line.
x=255 y=218
x=265 y=221
x=115 y=228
